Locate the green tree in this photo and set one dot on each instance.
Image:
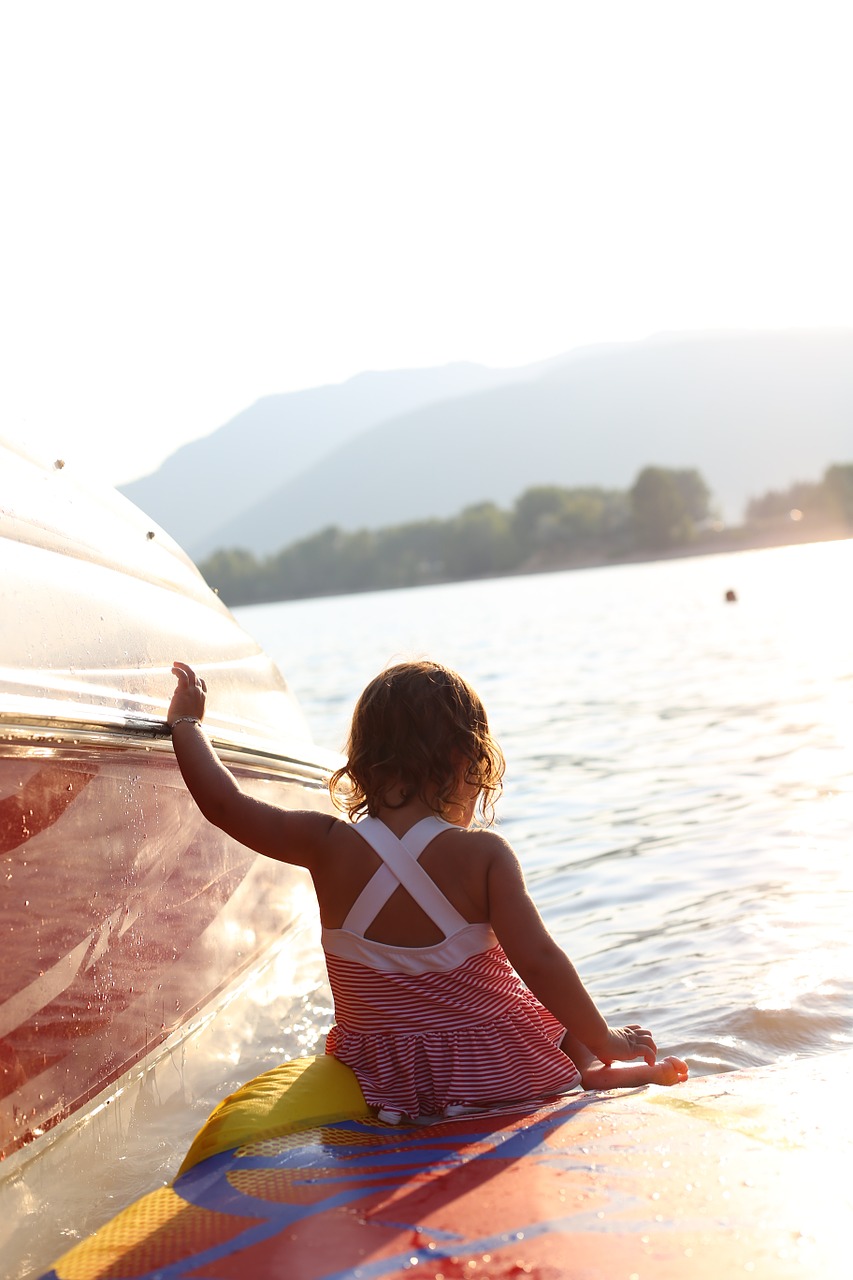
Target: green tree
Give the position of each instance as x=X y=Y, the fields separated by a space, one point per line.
x=556 y=520
x=664 y=506
x=829 y=500
x=308 y=567
x=803 y=496
x=593 y=518
x=480 y=541
x=695 y=493
x=838 y=485
x=235 y=574
x=412 y=553
x=537 y=515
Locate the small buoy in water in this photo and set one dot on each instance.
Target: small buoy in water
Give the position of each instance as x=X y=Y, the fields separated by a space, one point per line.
x=731 y=596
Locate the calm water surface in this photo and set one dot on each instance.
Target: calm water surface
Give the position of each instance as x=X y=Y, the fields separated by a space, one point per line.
x=680 y=791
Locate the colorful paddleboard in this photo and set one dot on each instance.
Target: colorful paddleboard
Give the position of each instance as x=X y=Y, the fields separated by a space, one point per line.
x=742 y=1174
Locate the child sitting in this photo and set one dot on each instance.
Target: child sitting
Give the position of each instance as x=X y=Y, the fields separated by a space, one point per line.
x=449 y=991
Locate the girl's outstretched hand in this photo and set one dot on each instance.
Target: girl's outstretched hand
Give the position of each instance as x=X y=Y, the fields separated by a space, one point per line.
x=633 y=1041
x=669 y=1071
x=189 y=696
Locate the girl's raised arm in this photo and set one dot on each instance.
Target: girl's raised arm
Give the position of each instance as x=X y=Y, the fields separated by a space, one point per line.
x=287 y=835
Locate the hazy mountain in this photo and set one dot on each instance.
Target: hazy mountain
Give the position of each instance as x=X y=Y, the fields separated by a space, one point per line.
x=208 y=483
x=751 y=411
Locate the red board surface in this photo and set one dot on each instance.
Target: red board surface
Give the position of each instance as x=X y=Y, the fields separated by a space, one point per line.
x=745 y=1172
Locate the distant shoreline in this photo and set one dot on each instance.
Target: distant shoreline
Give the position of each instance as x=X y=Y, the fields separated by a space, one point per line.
x=722 y=542
x=740 y=538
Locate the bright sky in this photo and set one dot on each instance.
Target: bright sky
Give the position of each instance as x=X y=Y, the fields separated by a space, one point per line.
x=208 y=202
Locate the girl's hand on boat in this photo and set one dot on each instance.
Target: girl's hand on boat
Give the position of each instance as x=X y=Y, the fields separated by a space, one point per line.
x=633 y=1041
x=189 y=696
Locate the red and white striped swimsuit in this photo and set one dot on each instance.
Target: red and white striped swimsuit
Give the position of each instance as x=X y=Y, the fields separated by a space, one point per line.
x=427 y=1028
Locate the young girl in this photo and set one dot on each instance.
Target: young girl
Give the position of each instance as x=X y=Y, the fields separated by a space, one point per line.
x=449 y=991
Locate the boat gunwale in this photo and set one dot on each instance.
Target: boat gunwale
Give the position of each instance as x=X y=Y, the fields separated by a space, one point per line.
x=31 y=735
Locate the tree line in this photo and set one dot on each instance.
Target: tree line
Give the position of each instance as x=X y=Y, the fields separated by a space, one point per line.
x=664 y=511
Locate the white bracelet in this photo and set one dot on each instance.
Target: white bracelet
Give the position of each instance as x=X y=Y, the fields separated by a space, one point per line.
x=184 y=720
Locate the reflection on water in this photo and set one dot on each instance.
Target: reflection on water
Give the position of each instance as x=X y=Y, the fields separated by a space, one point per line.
x=680 y=772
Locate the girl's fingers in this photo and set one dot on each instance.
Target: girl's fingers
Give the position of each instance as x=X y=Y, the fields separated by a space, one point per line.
x=642 y=1042
x=184 y=672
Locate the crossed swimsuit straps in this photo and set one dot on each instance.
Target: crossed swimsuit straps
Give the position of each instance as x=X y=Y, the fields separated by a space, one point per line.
x=400 y=866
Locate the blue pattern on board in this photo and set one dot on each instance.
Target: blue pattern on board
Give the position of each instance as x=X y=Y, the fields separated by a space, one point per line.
x=353 y=1170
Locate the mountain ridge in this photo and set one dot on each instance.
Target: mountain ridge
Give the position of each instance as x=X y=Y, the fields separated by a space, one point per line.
x=751 y=410
x=237 y=465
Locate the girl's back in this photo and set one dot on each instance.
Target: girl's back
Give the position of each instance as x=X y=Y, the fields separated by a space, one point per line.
x=456 y=860
x=429 y=1011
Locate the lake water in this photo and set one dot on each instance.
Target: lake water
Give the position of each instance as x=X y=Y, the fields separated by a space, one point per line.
x=679 y=789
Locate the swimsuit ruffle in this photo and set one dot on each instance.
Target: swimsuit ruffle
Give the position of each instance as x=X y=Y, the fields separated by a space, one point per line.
x=511 y=1059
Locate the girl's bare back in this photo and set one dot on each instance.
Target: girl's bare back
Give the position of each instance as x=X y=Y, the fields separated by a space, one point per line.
x=456 y=860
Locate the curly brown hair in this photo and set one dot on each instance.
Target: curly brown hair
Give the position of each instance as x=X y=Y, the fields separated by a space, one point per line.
x=417 y=726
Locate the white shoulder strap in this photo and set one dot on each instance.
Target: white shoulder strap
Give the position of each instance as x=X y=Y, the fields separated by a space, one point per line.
x=400 y=866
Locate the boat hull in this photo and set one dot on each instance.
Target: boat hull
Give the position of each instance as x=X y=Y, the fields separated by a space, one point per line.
x=124 y=914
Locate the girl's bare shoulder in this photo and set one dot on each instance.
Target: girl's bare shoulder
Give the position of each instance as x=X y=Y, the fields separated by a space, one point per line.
x=482 y=843
x=305 y=837
x=489 y=838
